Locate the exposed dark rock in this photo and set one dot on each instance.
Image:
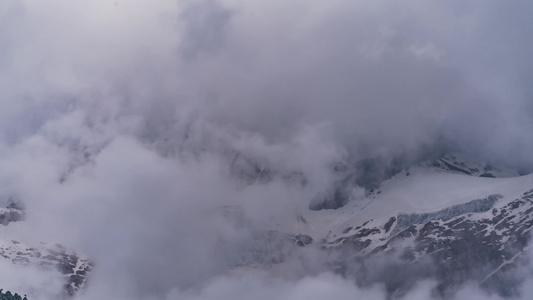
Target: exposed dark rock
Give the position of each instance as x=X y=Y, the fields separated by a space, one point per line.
x=389 y=224
x=454 y=168
x=303 y=240
x=488 y=175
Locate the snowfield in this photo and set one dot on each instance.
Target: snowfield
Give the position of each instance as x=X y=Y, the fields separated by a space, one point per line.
x=423 y=190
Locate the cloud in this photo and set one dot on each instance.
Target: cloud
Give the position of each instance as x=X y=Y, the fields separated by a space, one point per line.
x=121 y=122
x=28 y=280
x=386 y=76
x=324 y=286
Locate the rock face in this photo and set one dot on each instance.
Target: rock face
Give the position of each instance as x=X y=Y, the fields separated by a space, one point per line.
x=479 y=240
x=303 y=240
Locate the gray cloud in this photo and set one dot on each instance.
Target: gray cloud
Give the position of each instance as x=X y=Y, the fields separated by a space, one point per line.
x=204 y=25
x=119 y=122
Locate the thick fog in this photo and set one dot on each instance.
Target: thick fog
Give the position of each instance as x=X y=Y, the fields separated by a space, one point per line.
x=131 y=129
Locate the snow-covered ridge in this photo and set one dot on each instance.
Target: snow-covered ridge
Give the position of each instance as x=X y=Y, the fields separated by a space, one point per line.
x=451 y=225
x=372 y=174
x=470 y=220
x=465 y=226
x=418 y=190
x=55 y=258
x=482 y=241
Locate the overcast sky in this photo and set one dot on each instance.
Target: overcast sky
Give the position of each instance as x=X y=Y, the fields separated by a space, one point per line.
x=119 y=120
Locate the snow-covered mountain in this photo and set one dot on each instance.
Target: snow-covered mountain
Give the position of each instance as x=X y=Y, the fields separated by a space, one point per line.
x=450 y=219
x=55 y=259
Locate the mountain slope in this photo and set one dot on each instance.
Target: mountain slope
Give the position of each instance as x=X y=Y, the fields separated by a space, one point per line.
x=55 y=259
x=433 y=222
x=427 y=221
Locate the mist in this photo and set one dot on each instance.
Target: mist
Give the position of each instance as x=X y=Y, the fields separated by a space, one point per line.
x=132 y=129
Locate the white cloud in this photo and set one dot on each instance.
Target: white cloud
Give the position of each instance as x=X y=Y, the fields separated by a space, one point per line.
x=119 y=119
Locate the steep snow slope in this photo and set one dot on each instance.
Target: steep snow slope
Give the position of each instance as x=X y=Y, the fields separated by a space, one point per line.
x=479 y=241
x=420 y=189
